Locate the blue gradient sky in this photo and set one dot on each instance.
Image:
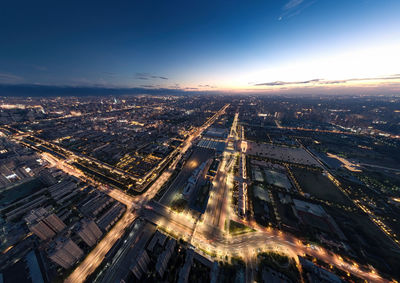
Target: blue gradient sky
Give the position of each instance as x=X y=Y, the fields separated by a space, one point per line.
x=240 y=45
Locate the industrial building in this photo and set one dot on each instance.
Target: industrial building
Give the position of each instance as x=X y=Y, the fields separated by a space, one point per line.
x=65 y=252
x=43 y=224
x=89 y=232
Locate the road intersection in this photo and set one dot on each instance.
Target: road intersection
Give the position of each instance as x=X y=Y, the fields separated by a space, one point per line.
x=208 y=233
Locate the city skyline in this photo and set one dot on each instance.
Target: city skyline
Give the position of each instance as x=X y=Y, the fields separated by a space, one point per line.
x=269 y=47
x=200 y=141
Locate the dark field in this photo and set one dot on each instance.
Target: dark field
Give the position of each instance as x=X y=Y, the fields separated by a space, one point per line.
x=363 y=235
x=319 y=186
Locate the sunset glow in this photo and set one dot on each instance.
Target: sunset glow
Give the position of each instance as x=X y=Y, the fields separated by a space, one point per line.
x=267 y=47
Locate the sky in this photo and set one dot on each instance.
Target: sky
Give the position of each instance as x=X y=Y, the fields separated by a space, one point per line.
x=266 y=46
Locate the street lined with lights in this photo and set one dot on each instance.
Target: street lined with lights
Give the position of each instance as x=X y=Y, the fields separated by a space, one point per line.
x=210 y=232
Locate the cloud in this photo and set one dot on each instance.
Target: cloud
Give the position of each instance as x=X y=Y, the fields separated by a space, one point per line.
x=147 y=76
x=292 y=4
x=175 y=86
x=294 y=8
x=54 y=90
x=384 y=78
x=391 y=88
x=206 y=86
x=9 y=78
x=328 y=82
x=281 y=83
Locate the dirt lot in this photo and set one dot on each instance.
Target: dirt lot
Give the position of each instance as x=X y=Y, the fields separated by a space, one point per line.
x=282 y=153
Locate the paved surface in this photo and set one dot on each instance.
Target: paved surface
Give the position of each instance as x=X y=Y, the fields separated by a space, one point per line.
x=96 y=256
x=185 y=226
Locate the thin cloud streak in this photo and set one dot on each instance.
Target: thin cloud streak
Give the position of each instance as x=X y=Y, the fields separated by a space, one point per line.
x=281 y=83
x=206 y=86
x=148 y=76
x=390 y=88
x=9 y=78
x=292 y=4
x=327 y=82
x=294 y=8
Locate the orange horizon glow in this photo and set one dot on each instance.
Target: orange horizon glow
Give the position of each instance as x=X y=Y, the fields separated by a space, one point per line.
x=362 y=68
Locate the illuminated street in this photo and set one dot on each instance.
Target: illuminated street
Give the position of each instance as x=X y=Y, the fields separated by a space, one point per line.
x=210 y=233
x=94 y=259
x=200 y=141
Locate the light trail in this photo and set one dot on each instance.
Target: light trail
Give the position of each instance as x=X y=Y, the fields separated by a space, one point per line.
x=264 y=239
x=94 y=259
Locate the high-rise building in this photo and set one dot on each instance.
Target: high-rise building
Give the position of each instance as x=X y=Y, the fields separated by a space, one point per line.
x=65 y=253
x=89 y=232
x=44 y=224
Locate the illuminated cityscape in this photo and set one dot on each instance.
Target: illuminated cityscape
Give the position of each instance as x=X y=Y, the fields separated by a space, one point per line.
x=237 y=165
